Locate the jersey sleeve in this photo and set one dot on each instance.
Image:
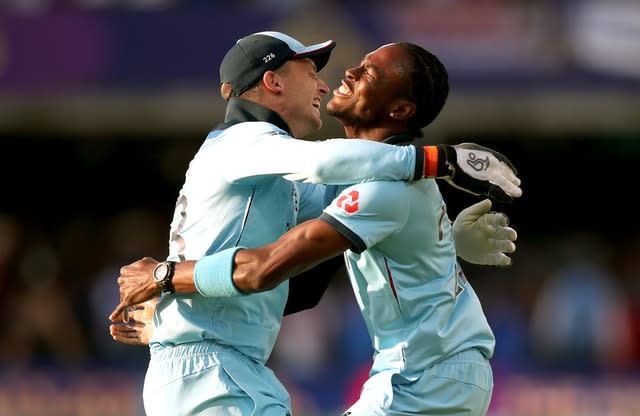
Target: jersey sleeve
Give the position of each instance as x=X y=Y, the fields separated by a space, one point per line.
x=367 y=213
x=263 y=149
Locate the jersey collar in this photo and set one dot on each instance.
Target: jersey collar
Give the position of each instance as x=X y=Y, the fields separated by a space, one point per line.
x=400 y=139
x=240 y=110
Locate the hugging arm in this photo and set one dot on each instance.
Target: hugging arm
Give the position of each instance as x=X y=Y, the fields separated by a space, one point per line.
x=481 y=237
x=297 y=251
x=238 y=271
x=469 y=167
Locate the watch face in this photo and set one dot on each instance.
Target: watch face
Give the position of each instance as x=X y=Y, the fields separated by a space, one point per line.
x=162 y=275
x=160 y=272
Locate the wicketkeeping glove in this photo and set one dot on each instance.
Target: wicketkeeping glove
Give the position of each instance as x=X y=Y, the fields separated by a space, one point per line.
x=483 y=237
x=474 y=169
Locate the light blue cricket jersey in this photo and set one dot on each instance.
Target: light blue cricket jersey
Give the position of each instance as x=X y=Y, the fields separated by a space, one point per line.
x=416 y=302
x=235 y=193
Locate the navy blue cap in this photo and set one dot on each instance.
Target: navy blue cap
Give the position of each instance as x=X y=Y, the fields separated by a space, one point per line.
x=246 y=62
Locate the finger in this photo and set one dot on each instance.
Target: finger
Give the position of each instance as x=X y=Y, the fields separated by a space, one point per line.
x=512 y=187
x=501 y=259
x=504 y=161
x=497 y=219
x=120 y=313
x=493 y=259
x=505 y=233
x=482 y=207
x=506 y=179
x=504 y=246
x=478 y=209
x=121 y=327
x=127 y=339
x=509 y=172
x=121 y=331
x=132 y=325
x=127 y=335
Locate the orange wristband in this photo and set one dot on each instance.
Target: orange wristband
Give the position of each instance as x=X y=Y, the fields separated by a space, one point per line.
x=430 y=161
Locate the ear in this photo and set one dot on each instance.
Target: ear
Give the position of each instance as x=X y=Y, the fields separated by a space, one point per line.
x=272 y=82
x=402 y=109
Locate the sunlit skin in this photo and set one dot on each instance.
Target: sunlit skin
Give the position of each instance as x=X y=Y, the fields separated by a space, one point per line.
x=138 y=328
x=370 y=103
x=295 y=92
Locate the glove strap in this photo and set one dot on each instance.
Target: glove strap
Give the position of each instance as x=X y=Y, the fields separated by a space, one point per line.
x=430 y=165
x=435 y=162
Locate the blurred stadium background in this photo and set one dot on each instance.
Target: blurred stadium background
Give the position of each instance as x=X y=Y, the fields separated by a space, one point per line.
x=103 y=103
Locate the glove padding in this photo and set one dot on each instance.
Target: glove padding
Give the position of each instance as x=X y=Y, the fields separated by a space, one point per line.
x=481 y=171
x=483 y=237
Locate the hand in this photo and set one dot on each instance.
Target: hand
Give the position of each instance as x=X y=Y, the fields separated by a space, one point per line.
x=480 y=171
x=482 y=237
x=136 y=286
x=138 y=330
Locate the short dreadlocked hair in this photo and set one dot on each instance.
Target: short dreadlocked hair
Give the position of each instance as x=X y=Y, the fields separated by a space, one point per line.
x=429 y=86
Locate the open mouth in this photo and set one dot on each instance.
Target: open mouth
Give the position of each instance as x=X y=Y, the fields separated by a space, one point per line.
x=343 y=90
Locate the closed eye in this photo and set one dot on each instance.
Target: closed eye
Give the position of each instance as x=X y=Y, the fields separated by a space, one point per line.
x=368 y=71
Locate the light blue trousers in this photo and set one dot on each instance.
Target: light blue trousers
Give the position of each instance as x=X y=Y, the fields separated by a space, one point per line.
x=461 y=385
x=208 y=379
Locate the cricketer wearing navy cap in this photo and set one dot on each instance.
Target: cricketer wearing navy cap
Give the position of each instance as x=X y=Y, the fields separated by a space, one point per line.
x=253 y=55
x=208 y=355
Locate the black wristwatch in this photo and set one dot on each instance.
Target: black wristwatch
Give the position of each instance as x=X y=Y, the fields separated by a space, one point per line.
x=162 y=275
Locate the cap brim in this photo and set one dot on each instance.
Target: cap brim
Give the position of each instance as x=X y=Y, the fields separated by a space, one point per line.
x=319 y=53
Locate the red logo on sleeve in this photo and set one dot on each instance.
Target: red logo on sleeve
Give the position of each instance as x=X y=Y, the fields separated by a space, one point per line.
x=348 y=202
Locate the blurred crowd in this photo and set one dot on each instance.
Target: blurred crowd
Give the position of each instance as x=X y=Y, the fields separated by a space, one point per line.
x=89 y=185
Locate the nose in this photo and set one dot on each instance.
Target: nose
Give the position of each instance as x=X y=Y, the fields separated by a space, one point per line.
x=323 y=87
x=353 y=73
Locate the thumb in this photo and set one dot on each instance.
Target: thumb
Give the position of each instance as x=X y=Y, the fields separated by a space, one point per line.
x=119 y=313
x=478 y=209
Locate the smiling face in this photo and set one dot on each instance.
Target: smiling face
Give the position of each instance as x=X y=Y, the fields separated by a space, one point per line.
x=301 y=92
x=370 y=92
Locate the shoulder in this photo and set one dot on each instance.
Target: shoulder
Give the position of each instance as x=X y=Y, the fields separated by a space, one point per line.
x=243 y=135
x=380 y=189
x=257 y=128
x=374 y=197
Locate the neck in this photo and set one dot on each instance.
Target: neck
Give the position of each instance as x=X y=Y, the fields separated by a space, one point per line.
x=377 y=134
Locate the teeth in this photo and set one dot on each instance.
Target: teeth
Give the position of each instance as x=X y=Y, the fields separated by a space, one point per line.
x=344 y=90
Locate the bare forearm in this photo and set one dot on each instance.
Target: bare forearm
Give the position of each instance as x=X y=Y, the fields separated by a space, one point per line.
x=299 y=250
x=183 y=277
